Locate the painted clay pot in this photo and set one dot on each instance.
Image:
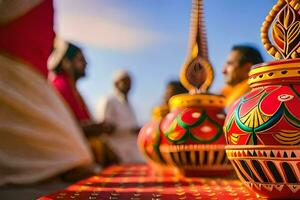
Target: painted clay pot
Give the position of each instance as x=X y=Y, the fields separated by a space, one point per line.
x=192 y=138
x=263 y=131
x=149 y=139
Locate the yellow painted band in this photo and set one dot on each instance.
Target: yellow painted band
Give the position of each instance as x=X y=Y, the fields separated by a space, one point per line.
x=159 y=112
x=197 y=100
x=268 y=68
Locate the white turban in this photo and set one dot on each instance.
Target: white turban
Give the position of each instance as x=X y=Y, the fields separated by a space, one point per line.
x=60 y=48
x=120 y=74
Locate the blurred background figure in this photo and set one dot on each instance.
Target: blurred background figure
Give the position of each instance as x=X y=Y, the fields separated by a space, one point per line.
x=68 y=64
x=236 y=69
x=117 y=110
x=39 y=137
x=142 y=35
x=173 y=88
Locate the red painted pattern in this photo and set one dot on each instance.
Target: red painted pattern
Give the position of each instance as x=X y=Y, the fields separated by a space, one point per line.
x=139 y=182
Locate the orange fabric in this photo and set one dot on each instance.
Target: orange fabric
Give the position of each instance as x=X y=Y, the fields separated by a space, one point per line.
x=29 y=38
x=233 y=93
x=140 y=182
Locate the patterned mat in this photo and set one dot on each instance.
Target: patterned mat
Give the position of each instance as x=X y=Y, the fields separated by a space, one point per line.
x=139 y=182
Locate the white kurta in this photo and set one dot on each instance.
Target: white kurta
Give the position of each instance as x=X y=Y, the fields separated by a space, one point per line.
x=116 y=110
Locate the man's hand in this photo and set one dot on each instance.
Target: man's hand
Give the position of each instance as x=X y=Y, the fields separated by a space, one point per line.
x=96 y=129
x=136 y=130
x=77 y=174
x=107 y=127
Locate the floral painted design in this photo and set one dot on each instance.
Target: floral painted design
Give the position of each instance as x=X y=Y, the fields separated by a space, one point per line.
x=194 y=126
x=267 y=115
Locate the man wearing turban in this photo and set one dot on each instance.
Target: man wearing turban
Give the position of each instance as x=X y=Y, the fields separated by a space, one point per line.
x=117 y=110
x=67 y=64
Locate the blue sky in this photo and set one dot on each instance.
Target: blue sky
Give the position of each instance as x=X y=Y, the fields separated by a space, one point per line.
x=150 y=39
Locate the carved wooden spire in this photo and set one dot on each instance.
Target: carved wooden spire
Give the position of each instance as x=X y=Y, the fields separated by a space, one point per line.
x=197 y=72
x=197 y=31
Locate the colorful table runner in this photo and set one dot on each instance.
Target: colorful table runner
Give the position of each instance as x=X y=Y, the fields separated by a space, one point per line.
x=139 y=182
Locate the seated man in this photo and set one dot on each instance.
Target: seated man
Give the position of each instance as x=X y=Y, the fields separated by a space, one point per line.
x=236 y=69
x=68 y=65
x=116 y=109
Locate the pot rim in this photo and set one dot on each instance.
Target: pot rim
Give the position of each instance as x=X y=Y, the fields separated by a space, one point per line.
x=275 y=72
x=159 y=112
x=263 y=147
x=197 y=100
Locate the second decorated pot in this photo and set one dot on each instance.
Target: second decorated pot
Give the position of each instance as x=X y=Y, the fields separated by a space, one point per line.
x=192 y=137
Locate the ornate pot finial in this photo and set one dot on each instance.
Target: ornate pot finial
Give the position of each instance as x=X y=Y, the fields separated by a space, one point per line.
x=283 y=24
x=197 y=73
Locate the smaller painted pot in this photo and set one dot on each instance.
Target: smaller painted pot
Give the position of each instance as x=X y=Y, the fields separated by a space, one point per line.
x=149 y=139
x=192 y=137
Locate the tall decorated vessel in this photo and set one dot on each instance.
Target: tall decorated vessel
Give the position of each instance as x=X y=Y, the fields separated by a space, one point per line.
x=263 y=128
x=192 y=138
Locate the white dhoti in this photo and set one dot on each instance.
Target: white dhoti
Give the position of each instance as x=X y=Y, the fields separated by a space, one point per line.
x=124 y=144
x=115 y=110
x=39 y=136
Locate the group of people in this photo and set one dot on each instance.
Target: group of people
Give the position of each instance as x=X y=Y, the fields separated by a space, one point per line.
x=45 y=125
x=115 y=127
x=47 y=131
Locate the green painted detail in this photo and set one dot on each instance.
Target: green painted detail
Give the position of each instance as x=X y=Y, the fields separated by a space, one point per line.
x=211 y=140
x=188 y=134
x=186 y=126
x=294 y=90
x=238 y=121
x=254 y=139
x=173 y=126
x=228 y=125
x=273 y=120
x=291 y=118
x=180 y=140
x=251 y=130
x=180 y=122
x=282 y=111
